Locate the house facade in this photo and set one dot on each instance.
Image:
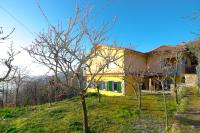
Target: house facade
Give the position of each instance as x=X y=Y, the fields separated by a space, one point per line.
x=121 y=75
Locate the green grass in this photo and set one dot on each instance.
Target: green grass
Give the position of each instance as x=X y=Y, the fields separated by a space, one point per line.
x=187 y=120
x=196 y=91
x=183 y=99
x=113 y=114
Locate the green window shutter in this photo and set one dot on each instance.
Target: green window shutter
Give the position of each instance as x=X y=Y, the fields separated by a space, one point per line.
x=110 y=85
x=107 y=85
x=119 y=86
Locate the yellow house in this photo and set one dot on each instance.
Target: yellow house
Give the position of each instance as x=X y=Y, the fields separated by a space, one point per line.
x=114 y=77
x=118 y=75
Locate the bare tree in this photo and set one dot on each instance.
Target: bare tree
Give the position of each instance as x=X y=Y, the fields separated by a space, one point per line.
x=137 y=77
x=167 y=67
x=6 y=94
x=178 y=60
x=135 y=73
x=8 y=70
x=3 y=36
x=101 y=57
x=33 y=91
x=52 y=86
x=7 y=65
x=18 y=81
x=65 y=51
x=3 y=94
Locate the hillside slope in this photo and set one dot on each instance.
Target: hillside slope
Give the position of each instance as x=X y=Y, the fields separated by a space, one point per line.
x=113 y=114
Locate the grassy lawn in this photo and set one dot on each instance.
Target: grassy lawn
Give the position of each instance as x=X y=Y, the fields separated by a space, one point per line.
x=113 y=114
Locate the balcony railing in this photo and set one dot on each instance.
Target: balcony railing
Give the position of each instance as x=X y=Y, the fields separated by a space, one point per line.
x=190 y=70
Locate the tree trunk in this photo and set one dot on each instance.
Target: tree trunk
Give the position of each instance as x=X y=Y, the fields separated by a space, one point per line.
x=35 y=95
x=3 y=92
x=134 y=89
x=85 y=118
x=50 y=98
x=82 y=85
x=175 y=84
x=165 y=106
x=99 y=95
x=176 y=96
x=6 y=98
x=16 y=97
x=175 y=90
x=56 y=79
x=50 y=103
x=6 y=95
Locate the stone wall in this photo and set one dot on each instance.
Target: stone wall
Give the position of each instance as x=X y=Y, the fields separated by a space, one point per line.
x=191 y=79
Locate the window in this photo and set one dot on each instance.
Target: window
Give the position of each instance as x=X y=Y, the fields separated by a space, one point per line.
x=114 y=86
x=102 y=85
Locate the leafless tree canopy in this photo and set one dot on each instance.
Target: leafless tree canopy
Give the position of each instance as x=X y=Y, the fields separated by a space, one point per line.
x=3 y=36
x=65 y=49
x=6 y=63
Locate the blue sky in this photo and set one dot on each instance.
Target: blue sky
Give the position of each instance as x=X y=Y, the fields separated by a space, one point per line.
x=146 y=24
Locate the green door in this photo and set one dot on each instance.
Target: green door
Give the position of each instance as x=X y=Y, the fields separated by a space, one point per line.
x=118 y=86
